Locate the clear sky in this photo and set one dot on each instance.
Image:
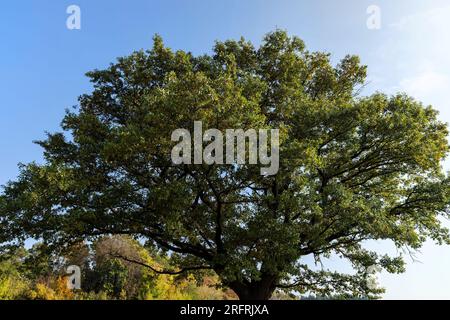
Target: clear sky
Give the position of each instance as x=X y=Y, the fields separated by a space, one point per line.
x=43 y=63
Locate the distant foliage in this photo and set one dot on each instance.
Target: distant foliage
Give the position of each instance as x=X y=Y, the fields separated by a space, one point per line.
x=35 y=275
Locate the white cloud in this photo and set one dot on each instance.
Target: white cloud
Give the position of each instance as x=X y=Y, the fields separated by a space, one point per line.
x=426 y=85
x=414 y=57
x=435 y=17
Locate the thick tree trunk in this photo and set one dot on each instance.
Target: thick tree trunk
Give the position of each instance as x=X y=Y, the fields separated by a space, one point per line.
x=257 y=290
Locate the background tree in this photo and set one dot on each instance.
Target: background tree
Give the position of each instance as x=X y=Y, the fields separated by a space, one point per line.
x=12 y=282
x=351 y=168
x=106 y=274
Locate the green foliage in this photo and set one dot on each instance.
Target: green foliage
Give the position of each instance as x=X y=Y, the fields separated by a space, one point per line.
x=12 y=283
x=352 y=168
x=104 y=276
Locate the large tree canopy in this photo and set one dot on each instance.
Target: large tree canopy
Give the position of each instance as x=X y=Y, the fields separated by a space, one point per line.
x=352 y=168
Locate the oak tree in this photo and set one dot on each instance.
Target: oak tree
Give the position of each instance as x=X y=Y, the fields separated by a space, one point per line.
x=352 y=168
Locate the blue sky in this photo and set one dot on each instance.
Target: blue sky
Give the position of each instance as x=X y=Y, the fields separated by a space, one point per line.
x=43 y=64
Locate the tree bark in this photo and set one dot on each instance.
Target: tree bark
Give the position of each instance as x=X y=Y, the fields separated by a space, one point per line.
x=256 y=290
